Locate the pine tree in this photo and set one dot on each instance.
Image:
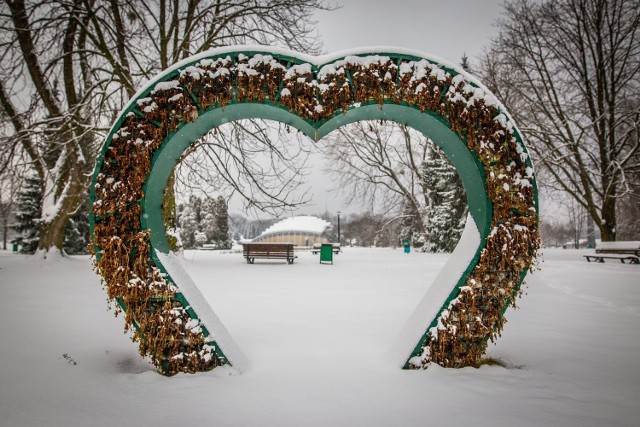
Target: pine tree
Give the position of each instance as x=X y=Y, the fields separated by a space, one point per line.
x=464 y=63
x=204 y=222
x=221 y=237
x=208 y=223
x=189 y=221
x=28 y=213
x=76 y=236
x=447 y=209
x=215 y=222
x=199 y=238
x=409 y=231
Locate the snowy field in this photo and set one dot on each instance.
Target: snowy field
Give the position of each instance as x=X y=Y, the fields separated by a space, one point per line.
x=317 y=337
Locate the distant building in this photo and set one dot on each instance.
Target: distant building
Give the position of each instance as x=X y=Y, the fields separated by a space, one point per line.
x=582 y=244
x=299 y=230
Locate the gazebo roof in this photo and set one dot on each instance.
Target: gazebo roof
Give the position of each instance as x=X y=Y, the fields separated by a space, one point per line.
x=301 y=224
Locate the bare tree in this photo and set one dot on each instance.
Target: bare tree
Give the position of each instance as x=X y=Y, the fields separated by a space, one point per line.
x=553 y=232
x=397 y=170
x=569 y=71
x=39 y=45
x=255 y=161
x=577 y=217
x=68 y=66
x=369 y=229
x=380 y=165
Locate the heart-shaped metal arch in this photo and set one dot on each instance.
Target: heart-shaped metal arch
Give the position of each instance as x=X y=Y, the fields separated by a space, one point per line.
x=460 y=312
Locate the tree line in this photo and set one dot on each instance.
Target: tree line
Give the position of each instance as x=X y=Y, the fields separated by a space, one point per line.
x=204 y=221
x=567 y=70
x=395 y=169
x=68 y=66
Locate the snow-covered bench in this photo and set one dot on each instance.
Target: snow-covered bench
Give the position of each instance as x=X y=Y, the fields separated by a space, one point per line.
x=630 y=247
x=316 y=248
x=251 y=251
x=628 y=251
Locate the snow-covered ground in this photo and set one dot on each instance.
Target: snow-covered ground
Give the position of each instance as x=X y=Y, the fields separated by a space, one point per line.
x=317 y=338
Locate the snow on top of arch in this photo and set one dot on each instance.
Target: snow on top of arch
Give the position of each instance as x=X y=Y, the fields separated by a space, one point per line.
x=327 y=63
x=315 y=60
x=309 y=224
x=365 y=61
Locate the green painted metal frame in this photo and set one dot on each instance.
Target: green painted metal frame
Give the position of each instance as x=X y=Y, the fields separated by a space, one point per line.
x=468 y=166
x=166 y=157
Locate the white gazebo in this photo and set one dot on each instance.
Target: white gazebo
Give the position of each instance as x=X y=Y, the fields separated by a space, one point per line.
x=299 y=230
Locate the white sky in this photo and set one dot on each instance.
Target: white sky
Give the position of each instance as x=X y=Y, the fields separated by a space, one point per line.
x=443 y=28
x=447 y=29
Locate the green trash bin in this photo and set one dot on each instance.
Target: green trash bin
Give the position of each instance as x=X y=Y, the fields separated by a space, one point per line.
x=326 y=253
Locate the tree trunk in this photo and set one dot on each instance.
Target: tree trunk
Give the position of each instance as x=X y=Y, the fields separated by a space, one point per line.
x=591 y=232
x=5 y=231
x=608 y=224
x=52 y=232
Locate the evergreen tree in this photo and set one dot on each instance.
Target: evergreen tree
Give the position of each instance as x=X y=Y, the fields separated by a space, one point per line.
x=221 y=237
x=76 y=236
x=409 y=230
x=464 y=63
x=199 y=238
x=189 y=221
x=446 y=208
x=204 y=222
x=28 y=213
x=208 y=224
x=215 y=222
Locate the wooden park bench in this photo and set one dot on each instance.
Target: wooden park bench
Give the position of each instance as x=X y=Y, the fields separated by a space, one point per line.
x=623 y=251
x=251 y=251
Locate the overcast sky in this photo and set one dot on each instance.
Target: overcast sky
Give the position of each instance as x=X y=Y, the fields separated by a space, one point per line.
x=447 y=29
x=444 y=28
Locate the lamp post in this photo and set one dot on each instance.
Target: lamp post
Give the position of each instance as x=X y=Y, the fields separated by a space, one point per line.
x=339 y=227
